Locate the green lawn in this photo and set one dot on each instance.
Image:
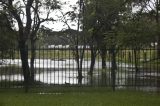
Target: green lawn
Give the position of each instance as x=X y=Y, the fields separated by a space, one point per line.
x=54 y=54
x=79 y=98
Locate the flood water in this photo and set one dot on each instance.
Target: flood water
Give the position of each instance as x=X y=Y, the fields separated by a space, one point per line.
x=64 y=71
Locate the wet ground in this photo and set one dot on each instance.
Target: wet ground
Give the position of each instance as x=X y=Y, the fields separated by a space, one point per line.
x=64 y=72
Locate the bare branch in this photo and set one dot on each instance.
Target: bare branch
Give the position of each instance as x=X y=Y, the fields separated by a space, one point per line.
x=13 y=11
x=28 y=16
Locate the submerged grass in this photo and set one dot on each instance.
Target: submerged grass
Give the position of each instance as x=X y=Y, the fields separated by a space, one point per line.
x=89 y=97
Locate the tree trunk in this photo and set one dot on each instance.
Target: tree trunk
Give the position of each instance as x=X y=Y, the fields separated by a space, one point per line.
x=92 y=64
x=103 y=56
x=93 y=59
x=80 y=76
x=25 y=66
x=33 y=54
x=136 y=66
x=158 y=48
x=79 y=55
x=79 y=65
x=113 y=68
x=79 y=68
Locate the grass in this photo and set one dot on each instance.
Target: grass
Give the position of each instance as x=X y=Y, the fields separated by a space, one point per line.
x=92 y=97
x=54 y=54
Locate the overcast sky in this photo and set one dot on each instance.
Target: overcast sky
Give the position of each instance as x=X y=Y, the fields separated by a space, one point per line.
x=57 y=26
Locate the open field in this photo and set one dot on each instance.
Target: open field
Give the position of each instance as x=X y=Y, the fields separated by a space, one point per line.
x=53 y=54
x=121 y=55
x=90 y=97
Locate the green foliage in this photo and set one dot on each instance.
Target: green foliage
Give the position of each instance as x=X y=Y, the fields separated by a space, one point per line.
x=7 y=37
x=115 y=20
x=102 y=17
x=137 y=33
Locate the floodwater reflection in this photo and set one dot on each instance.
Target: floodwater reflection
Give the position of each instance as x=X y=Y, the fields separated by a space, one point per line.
x=64 y=71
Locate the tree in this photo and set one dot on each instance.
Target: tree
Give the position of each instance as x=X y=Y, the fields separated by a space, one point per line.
x=152 y=7
x=102 y=18
x=8 y=37
x=137 y=33
x=91 y=29
x=27 y=14
x=77 y=38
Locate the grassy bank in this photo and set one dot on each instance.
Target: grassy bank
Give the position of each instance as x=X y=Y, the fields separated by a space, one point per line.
x=77 y=98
